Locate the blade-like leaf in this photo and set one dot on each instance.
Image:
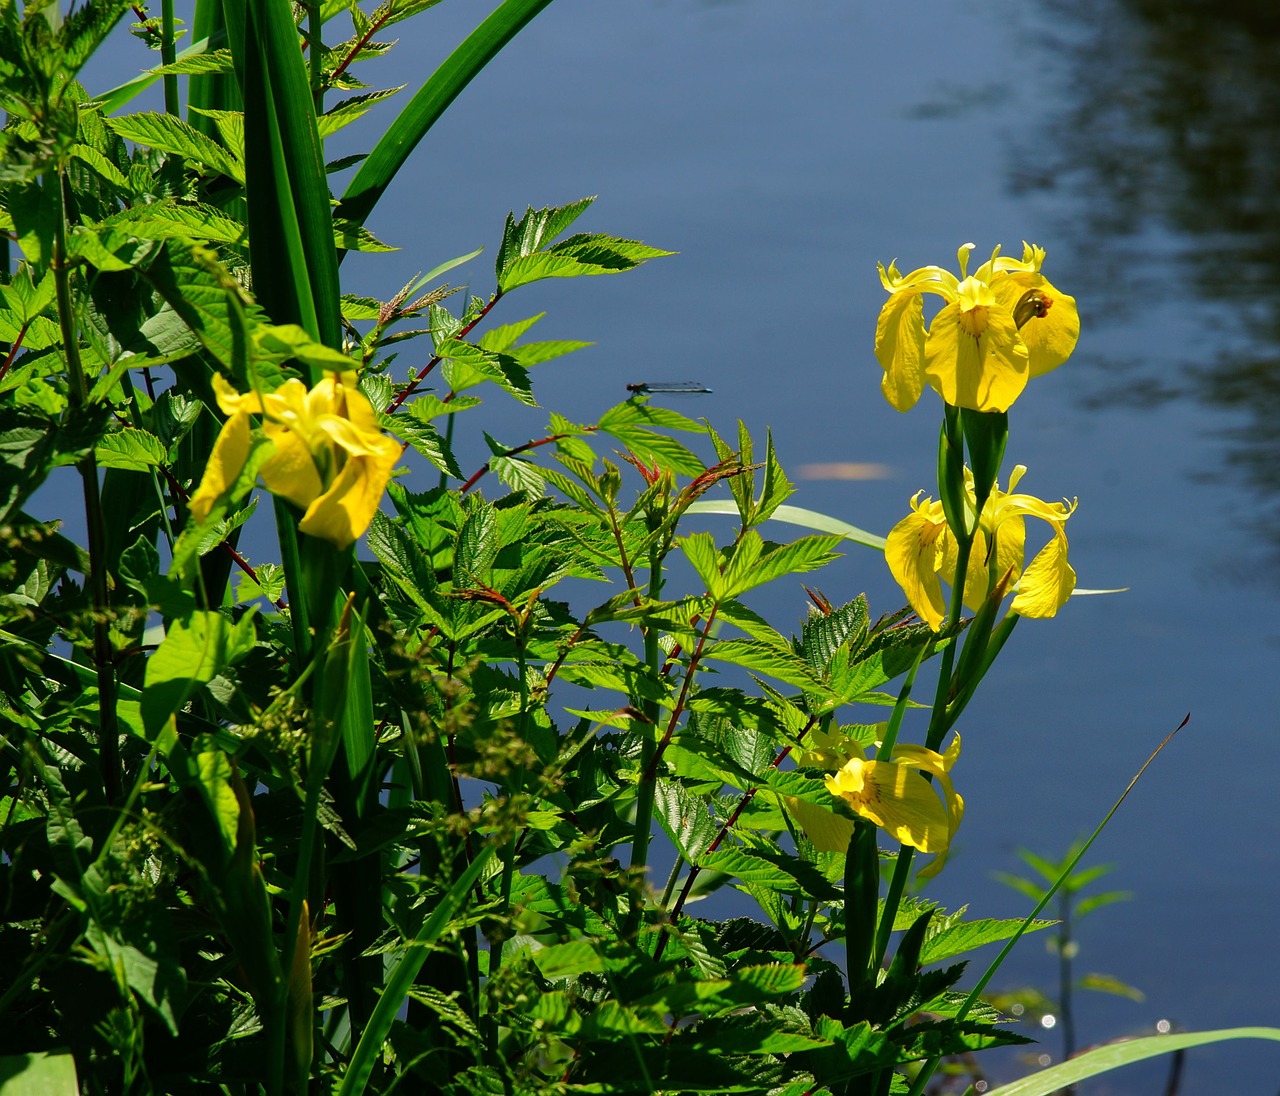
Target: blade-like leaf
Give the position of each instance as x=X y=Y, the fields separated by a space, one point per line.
x=431 y=101
x=796 y=515
x=1101 y=1060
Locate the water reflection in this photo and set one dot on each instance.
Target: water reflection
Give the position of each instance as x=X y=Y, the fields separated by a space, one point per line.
x=1173 y=126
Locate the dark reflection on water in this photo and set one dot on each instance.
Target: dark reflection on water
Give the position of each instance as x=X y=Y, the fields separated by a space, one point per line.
x=1172 y=123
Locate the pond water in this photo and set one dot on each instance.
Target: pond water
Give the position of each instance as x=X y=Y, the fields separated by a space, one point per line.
x=783 y=149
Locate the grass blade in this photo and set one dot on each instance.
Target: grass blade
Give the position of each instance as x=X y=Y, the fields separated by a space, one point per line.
x=401 y=979
x=295 y=266
x=1105 y=1058
x=431 y=101
x=796 y=515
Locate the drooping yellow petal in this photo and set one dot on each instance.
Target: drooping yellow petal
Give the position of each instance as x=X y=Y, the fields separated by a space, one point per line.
x=1049 y=338
x=226 y=462
x=232 y=401
x=1048 y=582
x=344 y=511
x=900 y=349
x=911 y=550
x=291 y=471
x=829 y=832
x=897 y=799
x=330 y=456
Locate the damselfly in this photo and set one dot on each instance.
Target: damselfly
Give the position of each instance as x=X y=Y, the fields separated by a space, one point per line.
x=668 y=388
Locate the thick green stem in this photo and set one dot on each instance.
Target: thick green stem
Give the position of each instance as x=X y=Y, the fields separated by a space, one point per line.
x=648 y=785
x=167 y=38
x=98 y=583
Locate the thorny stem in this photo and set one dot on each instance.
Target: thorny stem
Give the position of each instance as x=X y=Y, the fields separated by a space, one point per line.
x=548 y=440
x=103 y=660
x=694 y=869
x=412 y=386
x=13 y=349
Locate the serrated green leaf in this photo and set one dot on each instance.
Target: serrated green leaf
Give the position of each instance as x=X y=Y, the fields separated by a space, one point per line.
x=583 y=255
x=701 y=551
x=764 y=659
x=519 y=474
x=466 y=365
x=174 y=136
x=781 y=873
x=198 y=64
x=538 y=227
x=798 y=557
x=968 y=935
x=350 y=109
x=425 y=439
x=164 y=220
x=130 y=448
x=567 y=960
x=100 y=164
x=354 y=237
x=686 y=817
x=823 y=634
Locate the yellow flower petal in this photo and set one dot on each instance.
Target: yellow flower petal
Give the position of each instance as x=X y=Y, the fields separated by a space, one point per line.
x=911 y=550
x=1048 y=582
x=975 y=357
x=291 y=471
x=900 y=349
x=829 y=832
x=901 y=802
x=232 y=401
x=922 y=553
x=1050 y=338
x=345 y=510
x=226 y=462
x=330 y=456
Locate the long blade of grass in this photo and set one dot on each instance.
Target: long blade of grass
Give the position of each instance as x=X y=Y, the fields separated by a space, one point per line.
x=431 y=101
x=922 y=1078
x=402 y=976
x=295 y=266
x=1102 y=1059
x=796 y=515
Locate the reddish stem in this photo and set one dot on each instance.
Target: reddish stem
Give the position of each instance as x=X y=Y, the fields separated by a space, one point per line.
x=435 y=359
x=13 y=350
x=363 y=41
x=694 y=869
x=519 y=449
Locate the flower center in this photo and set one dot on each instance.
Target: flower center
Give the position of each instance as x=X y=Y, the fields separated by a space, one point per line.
x=975 y=299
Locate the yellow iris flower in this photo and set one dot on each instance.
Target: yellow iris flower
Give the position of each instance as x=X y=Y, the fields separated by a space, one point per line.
x=331 y=458
x=921 y=550
x=975 y=352
x=892 y=794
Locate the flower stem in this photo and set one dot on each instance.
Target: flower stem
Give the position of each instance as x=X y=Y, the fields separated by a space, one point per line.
x=97 y=580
